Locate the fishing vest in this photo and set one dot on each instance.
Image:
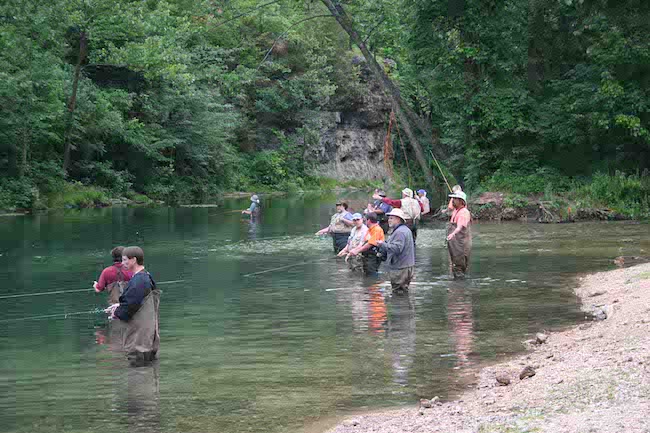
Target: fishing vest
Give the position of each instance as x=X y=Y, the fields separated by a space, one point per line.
x=411 y=208
x=337 y=225
x=116 y=288
x=357 y=236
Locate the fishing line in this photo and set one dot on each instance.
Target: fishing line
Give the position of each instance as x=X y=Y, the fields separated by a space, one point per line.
x=48 y=316
x=287 y=266
x=56 y=292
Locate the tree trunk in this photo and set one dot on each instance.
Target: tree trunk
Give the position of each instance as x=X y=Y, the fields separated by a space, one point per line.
x=403 y=111
x=26 y=137
x=72 y=103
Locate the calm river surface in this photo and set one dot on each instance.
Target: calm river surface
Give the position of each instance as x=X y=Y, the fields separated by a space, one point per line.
x=247 y=350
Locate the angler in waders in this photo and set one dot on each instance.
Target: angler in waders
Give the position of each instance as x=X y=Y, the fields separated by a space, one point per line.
x=411 y=207
x=255 y=208
x=369 y=251
x=137 y=312
x=380 y=209
x=113 y=279
x=400 y=252
x=340 y=227
x=459 y=235
x=357 y=235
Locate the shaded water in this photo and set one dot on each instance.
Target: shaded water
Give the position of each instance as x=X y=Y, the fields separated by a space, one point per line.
x=246 y=348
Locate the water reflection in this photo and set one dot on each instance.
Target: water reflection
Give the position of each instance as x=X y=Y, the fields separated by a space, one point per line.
x=143 y=398
x=400 y=336
x=135 y=390
x=461 y=323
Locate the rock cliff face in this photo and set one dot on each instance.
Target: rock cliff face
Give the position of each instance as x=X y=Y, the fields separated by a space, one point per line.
x=351 y=144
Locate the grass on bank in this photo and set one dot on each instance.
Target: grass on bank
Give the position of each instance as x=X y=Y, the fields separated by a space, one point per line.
x=628 y=195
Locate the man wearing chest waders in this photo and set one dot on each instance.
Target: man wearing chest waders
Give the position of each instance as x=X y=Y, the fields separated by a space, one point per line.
x=340 y=227
x=411 y=208
x=369 y=251
x=400 y=252
x=138 y=310
x=459 y=235
x=113 y=279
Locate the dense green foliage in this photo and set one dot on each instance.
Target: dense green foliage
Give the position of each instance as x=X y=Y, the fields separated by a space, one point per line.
x=183 y=99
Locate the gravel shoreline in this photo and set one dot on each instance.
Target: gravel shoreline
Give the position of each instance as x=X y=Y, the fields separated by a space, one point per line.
x=594 y=377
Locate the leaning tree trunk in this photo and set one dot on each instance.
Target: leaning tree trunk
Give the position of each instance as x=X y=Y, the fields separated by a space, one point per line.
x=404 y=112
x=72 y=103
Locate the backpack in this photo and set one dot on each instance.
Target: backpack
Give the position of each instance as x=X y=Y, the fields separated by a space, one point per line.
x=116 y=288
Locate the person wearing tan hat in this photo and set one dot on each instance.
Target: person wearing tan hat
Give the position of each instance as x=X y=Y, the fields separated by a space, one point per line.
x=459 y=235
x=400 y=252
x=411 y=207
x=340 y=227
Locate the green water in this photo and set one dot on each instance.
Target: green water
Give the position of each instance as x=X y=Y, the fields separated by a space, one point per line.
x=247 y=350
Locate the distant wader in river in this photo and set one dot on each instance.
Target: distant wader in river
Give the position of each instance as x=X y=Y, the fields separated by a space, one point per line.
x=459 y=236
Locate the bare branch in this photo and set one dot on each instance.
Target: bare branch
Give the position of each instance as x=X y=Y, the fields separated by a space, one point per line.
x=374 y=28
x=246 y=13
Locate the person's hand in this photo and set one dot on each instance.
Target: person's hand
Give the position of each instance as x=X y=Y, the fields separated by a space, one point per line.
x=451 y=236
x=95 y=287
x=377 y=196
x=111 y=310
x=341 y=253
x=354 y=252
x=380 y=243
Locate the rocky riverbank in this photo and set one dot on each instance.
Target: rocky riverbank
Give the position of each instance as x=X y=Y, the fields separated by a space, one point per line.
x=592 y=378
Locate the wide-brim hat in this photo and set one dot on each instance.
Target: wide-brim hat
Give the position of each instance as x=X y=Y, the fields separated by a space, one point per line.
x=408 y=192
x=397 y=212
x=460 y=194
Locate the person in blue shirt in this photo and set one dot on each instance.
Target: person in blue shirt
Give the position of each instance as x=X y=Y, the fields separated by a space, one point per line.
x=381 y=209
x=254 y=207
x=137 y=310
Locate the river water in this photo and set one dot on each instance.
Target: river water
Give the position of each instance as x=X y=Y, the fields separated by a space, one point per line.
x=248 y=347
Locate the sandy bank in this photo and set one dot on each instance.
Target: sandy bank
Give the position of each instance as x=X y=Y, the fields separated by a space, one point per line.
x=592 y=378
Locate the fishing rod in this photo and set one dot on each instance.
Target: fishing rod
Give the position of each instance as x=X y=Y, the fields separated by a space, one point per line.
x=440 y=168
x=56 y=292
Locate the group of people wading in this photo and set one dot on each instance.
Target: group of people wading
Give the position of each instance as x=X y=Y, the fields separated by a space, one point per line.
x=134 y=298
x=134 y=304
x=362 y=239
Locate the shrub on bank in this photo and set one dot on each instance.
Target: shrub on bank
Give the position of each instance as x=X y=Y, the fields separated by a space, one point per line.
x=627 y=195
x=77 y=195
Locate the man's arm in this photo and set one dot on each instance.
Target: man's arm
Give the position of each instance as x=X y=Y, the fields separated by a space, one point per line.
x=393 y=203
x=395 y=246
x=101 y=284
